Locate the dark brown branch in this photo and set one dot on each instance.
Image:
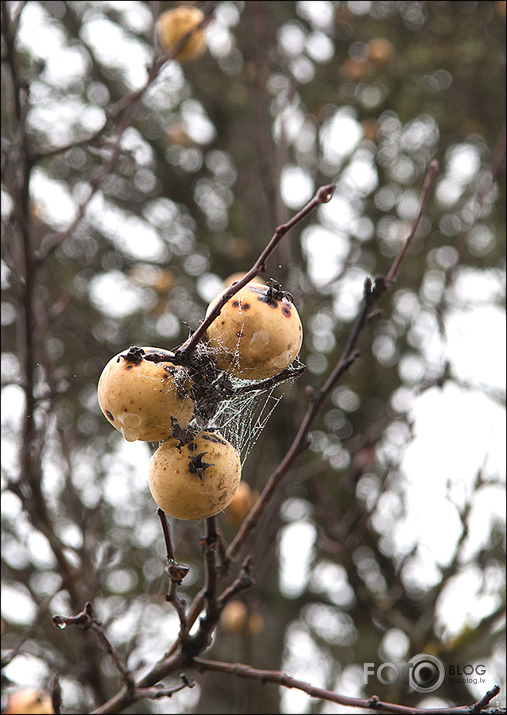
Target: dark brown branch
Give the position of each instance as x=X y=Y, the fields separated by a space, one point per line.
x=485 y=700
x=157 y=692
x=426 y=189
x=322 y=196
x=277 y=677
x=86 y=620
x=241 y=583
x=202 y=639
x=176 y=573
x=126 y=697
x=55 y=692
x=209 y=544
x=373 y=291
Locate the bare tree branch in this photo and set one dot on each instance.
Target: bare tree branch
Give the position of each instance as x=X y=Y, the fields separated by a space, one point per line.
x=279 y=678
x=322 y=196
x=372 y=293
x=176 y=573
x=86 y=620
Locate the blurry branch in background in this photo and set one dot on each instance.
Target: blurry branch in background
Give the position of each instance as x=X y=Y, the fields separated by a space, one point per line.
x=271 y=156
x=470 y=213
x=262 y=132
x=19 y=253
x=25 y=262
x=118 y=118
x=185 y=652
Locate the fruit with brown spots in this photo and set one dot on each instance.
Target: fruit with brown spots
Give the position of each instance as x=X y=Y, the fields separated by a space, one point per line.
x=143 y=399
x=195 y=480
x=258 y=332
x=174 y=24
x=29 y=701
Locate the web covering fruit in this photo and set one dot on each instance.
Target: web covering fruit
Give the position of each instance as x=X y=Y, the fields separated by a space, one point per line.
x=258 y=332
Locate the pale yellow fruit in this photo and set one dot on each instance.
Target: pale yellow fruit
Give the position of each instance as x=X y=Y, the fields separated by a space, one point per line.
x=173 y=24
x=236 y=618
x=194 y=480
x=255 y=622
x=235 y=277
x=29 y=701
x=243 y=501
x=256 y=335
x=144 y=400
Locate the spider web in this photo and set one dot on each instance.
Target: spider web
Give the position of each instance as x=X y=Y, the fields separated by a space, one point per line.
x=241 y=418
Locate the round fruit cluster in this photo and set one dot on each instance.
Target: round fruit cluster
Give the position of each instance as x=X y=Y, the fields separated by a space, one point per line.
x=154 y=395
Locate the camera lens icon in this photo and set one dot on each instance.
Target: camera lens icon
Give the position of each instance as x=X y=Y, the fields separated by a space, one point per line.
x=426 y=673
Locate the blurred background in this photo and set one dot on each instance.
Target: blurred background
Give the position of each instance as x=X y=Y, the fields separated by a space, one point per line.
x=122 y=215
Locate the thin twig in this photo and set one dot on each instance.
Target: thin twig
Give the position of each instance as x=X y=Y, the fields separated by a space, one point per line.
x=429 y=180
x=198 y=642
x=287 y=374
x=485 y=700
x=86 y=620
x=322 y=196
x=121 y=115
x=126 y=697
x=278 y=677
x=373 y=291
x=176 y=573
x=241 y=583
x=157 y=692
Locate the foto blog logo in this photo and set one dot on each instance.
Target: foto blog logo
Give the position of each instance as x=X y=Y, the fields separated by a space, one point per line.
x=425 y=673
